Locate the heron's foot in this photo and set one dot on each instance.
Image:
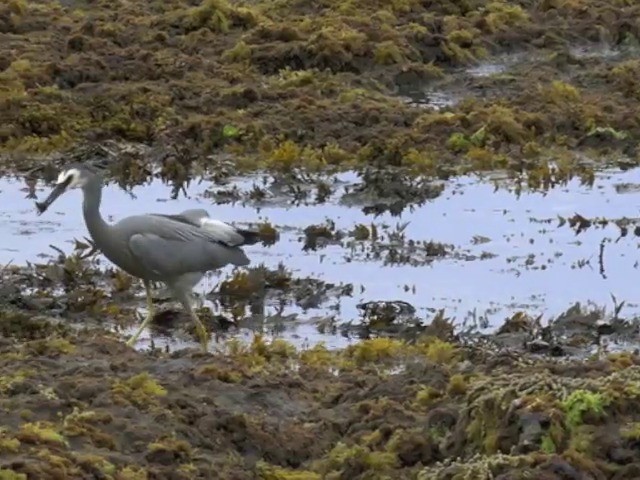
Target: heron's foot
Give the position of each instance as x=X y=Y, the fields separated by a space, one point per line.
x=134 y=338
x=150 y=314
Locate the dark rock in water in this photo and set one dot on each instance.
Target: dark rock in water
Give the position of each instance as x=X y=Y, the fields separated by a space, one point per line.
x=605 y=329
x=512 y=341
x=576 y=321
x=541 y=347
x=387 y=311
x=538 y=346
x=558 y=351
x=393 y=317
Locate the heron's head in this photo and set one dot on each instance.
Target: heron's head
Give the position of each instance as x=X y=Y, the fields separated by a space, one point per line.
x=76 y=176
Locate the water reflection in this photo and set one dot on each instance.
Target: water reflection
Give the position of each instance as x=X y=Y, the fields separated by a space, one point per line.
x=516 y=255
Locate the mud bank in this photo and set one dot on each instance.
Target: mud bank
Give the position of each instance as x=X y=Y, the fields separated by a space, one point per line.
x=85 y=406
x=308 y=85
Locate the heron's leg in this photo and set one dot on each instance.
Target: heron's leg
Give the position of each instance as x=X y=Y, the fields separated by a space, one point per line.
x=150 y=314
x=199 y=300
x=200 y=328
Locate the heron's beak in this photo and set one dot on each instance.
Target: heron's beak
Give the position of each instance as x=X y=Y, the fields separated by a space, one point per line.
x=58 y=190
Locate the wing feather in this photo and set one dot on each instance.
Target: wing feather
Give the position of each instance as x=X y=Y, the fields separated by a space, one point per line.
x=225 y=232
x=215 y=230
x=169 y=257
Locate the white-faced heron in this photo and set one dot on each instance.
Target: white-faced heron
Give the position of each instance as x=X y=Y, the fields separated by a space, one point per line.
x=176 y=250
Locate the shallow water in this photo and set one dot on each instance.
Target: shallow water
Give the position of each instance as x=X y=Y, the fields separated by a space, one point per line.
x=499 y=64
x=443 y=96
x=537 y=265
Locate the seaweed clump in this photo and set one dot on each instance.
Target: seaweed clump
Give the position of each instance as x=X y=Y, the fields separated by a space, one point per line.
x=135 y=74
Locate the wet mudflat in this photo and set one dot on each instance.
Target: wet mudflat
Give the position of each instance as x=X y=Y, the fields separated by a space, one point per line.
x=403 y=318
x=480 y=250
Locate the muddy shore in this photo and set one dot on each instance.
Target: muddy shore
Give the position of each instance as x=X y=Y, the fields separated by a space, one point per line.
x=83 y=405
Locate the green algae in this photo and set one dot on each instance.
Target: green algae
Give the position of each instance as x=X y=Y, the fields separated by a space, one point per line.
x=6 y=474
x=375 y=350
x=41 y=433
x=457 y=385
x=52 y=347
x=96 y=463
x=178 y=450
x=223 y=374
x=438 y=351
x=141 y=390
x=210 y=14
x=133 y=473
x=8 y=444
x=318 y=356
x=631 y=432
x=581 y=403
x=89 y=424
x=427 y=395
x=547 y=445
x=8 y=382
x=271 y=472
x=379 y=463
x=260 y=355
x=382 y=349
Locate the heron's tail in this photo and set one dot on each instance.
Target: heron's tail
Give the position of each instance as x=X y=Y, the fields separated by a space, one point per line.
x=250 y=237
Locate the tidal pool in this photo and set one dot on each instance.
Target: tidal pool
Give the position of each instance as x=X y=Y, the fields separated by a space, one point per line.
x=440 y=95
x=516 y=255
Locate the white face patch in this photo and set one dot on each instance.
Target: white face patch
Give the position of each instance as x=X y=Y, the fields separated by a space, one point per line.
x=74 y=173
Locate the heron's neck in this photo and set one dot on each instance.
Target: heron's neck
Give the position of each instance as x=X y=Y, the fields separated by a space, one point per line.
x=91 y=210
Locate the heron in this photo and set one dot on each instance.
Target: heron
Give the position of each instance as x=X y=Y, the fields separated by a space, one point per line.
x=176 y=250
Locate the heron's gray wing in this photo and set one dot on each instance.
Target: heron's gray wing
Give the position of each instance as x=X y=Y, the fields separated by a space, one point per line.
x=168 y=257
x=218 y=231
